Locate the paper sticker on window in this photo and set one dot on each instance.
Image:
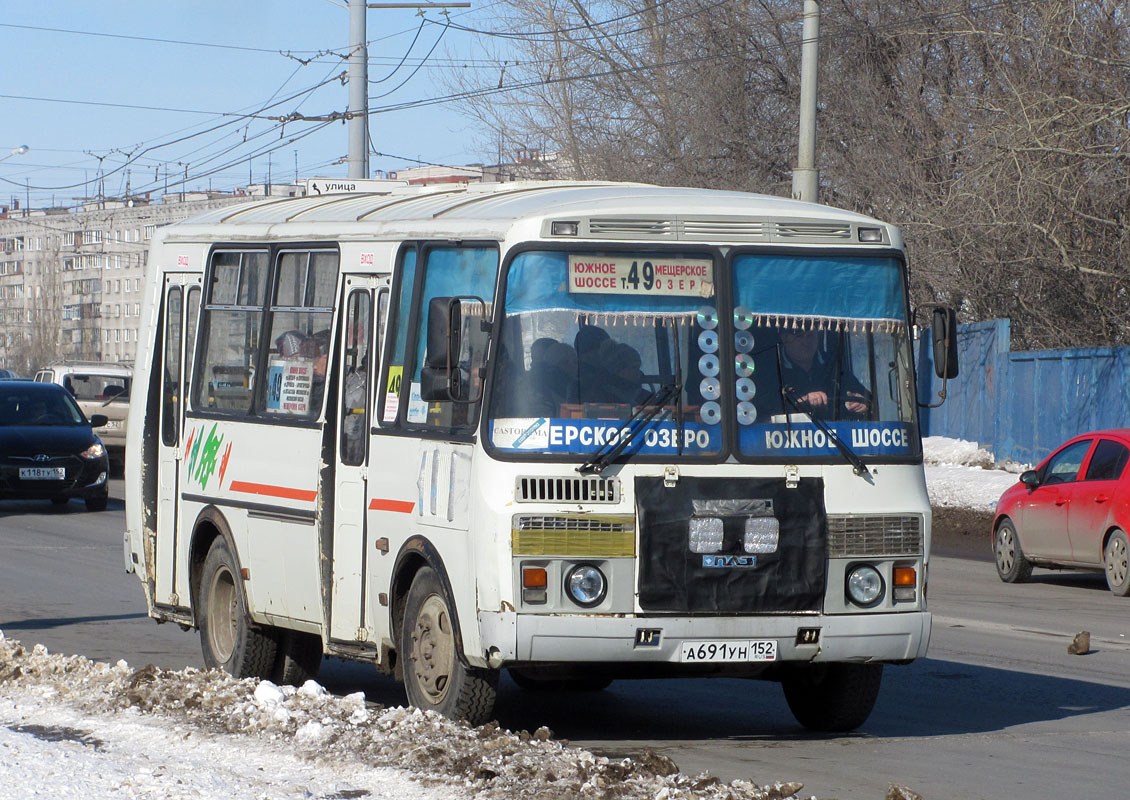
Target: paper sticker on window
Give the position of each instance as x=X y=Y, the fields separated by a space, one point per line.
x=392 y=393
x=288 y=386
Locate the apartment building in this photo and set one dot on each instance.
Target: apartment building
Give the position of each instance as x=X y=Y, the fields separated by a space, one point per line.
x=71 y=280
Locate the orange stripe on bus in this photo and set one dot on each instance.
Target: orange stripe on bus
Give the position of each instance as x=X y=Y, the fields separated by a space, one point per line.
x=401 y=506
x=274 y=491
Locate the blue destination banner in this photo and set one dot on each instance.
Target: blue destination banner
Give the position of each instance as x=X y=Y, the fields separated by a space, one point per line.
x=805 y=439
x=547 y=435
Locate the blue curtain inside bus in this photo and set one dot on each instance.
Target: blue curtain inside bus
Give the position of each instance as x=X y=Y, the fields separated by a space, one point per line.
x=825 y=288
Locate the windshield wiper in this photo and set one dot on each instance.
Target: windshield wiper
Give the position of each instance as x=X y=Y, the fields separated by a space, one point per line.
x=647 y=411
x=789 y=395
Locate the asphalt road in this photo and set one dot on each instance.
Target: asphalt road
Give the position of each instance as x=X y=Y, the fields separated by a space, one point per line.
x=998 y=709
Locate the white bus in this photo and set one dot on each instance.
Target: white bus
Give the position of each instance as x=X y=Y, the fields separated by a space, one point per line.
x=579 y=431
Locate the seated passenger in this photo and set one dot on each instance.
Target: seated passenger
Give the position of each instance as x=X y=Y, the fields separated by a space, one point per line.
x=554 y=380
x=626 y=382
x=593 y=373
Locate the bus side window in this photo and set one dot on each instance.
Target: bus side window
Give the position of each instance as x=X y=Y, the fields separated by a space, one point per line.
x=400 y=315
x=299 y=341
x=232 y=320
x=171 y=398
x=356 y=365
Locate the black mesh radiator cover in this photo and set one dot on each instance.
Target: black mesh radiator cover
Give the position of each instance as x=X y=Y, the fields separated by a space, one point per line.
x=673 y=579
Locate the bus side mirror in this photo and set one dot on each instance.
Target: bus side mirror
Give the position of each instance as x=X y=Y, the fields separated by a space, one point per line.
x=943 y=331
x=440 y=379
x=445 y=377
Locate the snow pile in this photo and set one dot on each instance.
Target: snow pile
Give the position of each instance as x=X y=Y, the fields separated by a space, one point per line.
x=959 y=474
x=333 y=734
x=957 y=452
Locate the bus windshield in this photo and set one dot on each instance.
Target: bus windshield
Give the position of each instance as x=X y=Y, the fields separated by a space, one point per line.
x=821 y=337
x=588 y=339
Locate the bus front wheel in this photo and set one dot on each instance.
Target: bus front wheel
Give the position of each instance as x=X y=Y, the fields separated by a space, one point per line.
x=229 y=639
x=435 y=678
x=832 y=697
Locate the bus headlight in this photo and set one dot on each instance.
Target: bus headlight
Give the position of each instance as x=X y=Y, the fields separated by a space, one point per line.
x=586 y=585
x=864 y=585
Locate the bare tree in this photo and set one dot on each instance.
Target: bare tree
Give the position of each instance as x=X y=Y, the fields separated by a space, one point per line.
x=996 y=134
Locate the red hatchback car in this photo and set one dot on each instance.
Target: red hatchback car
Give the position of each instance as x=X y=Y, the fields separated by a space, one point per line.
x=1072 y=511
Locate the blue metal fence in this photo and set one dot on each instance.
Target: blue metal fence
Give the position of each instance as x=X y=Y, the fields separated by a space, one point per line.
x=1022 y=405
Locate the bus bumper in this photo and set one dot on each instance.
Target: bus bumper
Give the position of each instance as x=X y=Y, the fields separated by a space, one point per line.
x=512 y=637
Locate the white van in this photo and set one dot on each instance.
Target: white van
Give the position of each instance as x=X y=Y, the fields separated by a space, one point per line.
x=99 y=388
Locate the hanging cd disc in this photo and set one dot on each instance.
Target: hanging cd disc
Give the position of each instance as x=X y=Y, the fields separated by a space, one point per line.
x=711 y=413
x=747 y=414
x=745 y=389
x=708 y=341
x=710 y=388
x=743 y=318
x=743 y=341
x=708 y=365
x=707 y=318
x=743 y=364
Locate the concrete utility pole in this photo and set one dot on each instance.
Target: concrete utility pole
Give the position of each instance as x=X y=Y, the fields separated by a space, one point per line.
x=358 y=158
x=806 y=178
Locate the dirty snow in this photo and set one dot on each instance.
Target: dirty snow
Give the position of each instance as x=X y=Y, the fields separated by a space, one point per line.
x=960 y=474
x=71 y=727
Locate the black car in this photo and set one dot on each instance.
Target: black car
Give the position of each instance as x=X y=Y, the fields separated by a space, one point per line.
x=48 y=449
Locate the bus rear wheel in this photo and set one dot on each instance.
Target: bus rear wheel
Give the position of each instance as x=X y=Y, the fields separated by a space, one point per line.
x=228 y=638
x=435 y=678
x=832 y=698
x=300 y=657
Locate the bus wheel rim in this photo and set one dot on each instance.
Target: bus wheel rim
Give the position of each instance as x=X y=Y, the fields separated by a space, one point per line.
x=433 y=649
x=223 y=615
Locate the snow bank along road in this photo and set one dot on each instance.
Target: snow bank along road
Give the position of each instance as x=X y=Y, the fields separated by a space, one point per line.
x=71 y=727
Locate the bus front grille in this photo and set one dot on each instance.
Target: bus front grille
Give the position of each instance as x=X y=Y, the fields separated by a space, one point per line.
x=541 y=489
x=878 y=535
x=590 y=536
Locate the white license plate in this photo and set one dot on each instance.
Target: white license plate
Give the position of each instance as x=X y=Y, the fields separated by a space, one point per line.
x=729 y=650
x=43 y=474
x=114 y=423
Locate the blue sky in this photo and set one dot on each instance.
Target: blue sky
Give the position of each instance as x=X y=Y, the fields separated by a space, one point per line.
x=136 y=96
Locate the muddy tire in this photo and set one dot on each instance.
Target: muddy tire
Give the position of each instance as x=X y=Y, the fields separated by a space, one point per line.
x=832 y=698
x=1012 y=565
x=435 y=677
x=299 y=659
x=228 y=638
x=1116 y=563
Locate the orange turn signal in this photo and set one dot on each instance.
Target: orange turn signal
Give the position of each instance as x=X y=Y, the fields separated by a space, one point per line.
x=906 y=576
x=533 y=578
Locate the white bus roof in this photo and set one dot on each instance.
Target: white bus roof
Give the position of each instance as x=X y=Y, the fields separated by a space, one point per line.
x=605 y=210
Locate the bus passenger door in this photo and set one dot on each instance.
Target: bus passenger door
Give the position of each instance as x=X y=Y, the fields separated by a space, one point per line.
x=360 y=346
x=180 y=308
